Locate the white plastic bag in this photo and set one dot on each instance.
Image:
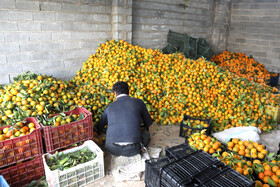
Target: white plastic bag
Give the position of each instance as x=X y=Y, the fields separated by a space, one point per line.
x=243 y=133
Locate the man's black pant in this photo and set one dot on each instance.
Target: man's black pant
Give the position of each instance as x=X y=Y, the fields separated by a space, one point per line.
x=130 y=149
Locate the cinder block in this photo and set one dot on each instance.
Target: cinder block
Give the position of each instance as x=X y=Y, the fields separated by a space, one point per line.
x=61 y=36
x=71 y=26
x=118 y=2
x=90 y=44
x=40 y=56
x=29 y=26
x=10 y=68
x=65 y=16
x=4 y=15
x=9 y=48
x=27 y=5
x=8 y=4
x=40 y=36
x=103 y=18
x=86 y=8
x=57 y=55
x=20 y=15
x=19 y=57
x=51 y=26
x=124 y=27
x=50 y=6
x=85 y=17
x=101 y=9
x=52 y=46
x=16 y=37
x=70 y=8
x=3 y=59
x=53 y=64
x=108 y=2
x=8 y=26
x=104 y=27
x=117 y=19
x=89 y=27
x=44 y=16
x=129 y=19
x=30 y=47
x=73 y=63
x=33 y=66
x=71 y=45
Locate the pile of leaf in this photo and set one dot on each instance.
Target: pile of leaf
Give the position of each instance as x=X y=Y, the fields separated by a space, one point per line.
x=65 y=161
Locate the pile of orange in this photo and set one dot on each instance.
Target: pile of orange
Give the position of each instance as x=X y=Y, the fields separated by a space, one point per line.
x=237 y=163
x=200 y=141
x=268 y=172
x=247 y=148
x=243 y=66
x=33 y=95
x=172 y=86
x=19 y=129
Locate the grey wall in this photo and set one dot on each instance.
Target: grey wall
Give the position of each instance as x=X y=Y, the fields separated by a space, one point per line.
x=50 y=37
x=255 y=30
x=153 y=18
x=54 y=37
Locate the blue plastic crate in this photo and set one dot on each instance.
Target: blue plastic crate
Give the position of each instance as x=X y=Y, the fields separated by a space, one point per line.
x=3 y=182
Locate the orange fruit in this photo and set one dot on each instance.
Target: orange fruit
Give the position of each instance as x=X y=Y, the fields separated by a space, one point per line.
x=31 y=125
x=277 y=173
x=211 y=150
x=258 y=183
x=254 y=150
x=239 y=170
x=265 y=179
x=266 y=185
x=268 y=173
x=230 y=144
x=224 y=154
x=235 y=140
x=261 y=175
x=259 y=148
x=267 y=167
x=241 y=152
x=9 y=134
x=240 y=142
x=275 y=168
x=275 y=178
x=264 y=152
x=256 y=161
x=246 y=143
x=260 y=155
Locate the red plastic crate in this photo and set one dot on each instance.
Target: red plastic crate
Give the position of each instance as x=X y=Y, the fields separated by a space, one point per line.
x=23 y=147
x=56 y=138
x=22 y=174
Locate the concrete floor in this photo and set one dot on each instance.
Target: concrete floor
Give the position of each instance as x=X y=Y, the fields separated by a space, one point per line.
x=162 y=136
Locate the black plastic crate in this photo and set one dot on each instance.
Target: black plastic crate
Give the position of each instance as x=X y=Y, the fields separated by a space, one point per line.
x=182 y=171
x=178 y=151
x=229 y=177
x=186 y=130
x=152 y=171
x=209 y=173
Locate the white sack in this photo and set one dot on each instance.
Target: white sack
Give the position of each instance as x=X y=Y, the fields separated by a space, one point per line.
x=243 y=133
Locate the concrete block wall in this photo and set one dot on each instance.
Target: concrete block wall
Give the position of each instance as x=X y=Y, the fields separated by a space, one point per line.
x=152 y=20
x=51 y=37
x=254 y=30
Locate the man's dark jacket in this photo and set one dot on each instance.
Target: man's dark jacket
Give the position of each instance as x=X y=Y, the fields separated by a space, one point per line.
x=124 y=117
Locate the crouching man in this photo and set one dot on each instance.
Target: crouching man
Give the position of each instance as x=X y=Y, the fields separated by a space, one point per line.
x=123 y=117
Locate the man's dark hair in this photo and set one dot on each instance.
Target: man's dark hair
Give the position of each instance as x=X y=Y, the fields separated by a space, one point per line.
x=121 y=87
